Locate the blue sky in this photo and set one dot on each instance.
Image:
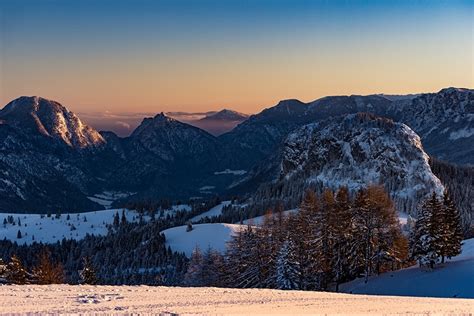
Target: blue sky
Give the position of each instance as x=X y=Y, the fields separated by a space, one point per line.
x=196 y=55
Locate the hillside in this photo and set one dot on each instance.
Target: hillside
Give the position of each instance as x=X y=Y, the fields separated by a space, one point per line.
x=452 y=279
x=203 y=236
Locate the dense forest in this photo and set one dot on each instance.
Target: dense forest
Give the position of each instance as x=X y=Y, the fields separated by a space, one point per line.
x=334 y=238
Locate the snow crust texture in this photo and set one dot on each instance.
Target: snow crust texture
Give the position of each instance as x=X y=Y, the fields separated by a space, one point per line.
x=70 y=299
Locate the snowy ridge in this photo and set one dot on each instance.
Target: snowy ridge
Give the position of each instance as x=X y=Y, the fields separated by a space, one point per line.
x=361 y=149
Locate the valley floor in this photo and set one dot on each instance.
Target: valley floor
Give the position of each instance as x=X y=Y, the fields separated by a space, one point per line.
x=60 y=299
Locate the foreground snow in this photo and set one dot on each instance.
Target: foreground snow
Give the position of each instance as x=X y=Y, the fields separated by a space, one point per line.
x=204 y=236
x=59 y=299
x=455 y=278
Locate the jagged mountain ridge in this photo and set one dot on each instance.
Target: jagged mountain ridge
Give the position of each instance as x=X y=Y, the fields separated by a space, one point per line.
x=167 y=158
x=450 y=113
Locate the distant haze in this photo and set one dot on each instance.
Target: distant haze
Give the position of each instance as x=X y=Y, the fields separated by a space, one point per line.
x=124 y=123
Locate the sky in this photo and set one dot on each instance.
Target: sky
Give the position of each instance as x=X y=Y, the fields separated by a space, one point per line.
x=148 y=56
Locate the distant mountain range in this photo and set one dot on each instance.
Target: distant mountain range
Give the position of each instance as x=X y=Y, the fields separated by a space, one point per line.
x=216 y=123
x=51 y=161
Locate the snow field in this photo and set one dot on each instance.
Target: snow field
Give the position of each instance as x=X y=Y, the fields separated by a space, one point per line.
x=455 y=278
x=51 y=229
x=76 y=299
x=203 y=236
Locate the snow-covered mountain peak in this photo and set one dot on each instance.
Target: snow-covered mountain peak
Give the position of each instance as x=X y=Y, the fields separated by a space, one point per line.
x=360 y=149
x=50 y=118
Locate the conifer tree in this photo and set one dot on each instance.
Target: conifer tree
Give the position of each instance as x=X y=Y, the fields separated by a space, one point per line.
x=453 y=228
x=16 y=273
x=305 y=228
x=3 y=271
x=287 y=267
x=87 y=274
x=425 y=239
x=341 y=222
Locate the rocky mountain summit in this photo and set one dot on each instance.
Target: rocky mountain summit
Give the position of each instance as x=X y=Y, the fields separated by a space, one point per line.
x=51 y=160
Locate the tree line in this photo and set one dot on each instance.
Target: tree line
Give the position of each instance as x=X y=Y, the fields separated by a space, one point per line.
x=334 y=238
x=45 y=271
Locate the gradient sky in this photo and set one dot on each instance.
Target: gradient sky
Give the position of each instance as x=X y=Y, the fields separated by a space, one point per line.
x=198 y=55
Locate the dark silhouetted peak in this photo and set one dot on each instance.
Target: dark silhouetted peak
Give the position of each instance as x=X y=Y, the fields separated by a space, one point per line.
x=226 y=115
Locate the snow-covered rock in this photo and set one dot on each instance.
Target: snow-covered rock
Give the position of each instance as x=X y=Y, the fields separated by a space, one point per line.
x=357 y=150
x=51 y=119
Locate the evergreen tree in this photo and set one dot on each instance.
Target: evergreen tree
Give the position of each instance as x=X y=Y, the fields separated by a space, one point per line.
x=425 y=239
x=288 y=268
x=123 y=220
x=3 y=271
x=16 y=273
x=308 y=237
x=116 y=222
x=453 y=228
x=189 y=226
x=87 y=274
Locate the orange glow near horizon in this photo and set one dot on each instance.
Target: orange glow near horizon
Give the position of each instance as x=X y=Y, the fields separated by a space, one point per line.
x=226 y=60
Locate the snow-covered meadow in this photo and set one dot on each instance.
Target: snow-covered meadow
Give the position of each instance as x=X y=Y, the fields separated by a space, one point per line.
x=75 y=299
x=41 y=228
x=455 y=278
x=203 y=236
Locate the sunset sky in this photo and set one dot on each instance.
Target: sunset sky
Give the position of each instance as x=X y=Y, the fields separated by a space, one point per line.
x=149 y=56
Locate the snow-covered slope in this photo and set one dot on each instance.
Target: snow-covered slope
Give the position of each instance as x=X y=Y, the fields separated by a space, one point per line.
x=452 y=279
x=215 y=211
x=357 y=150
x=154 y=300
x=41 y=228
x=203 y=236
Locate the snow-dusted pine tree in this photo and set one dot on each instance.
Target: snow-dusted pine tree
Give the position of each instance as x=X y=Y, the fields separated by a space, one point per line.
x=16 y=273
x=87 y=274
x=425 y=238
x=287 y=267
x=453 y=228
